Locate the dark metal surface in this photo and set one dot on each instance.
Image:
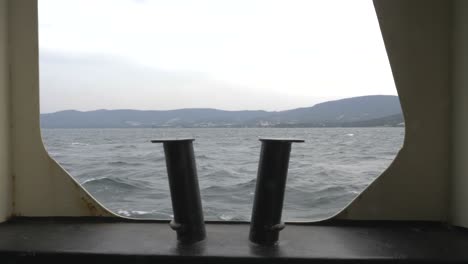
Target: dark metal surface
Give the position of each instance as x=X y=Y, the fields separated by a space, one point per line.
x=82 y=240
x=185 y=192
x=269 y=191
x=292 y=140
x=172 y=140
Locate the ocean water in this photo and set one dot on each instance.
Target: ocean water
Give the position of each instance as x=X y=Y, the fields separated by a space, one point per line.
x=127 y=173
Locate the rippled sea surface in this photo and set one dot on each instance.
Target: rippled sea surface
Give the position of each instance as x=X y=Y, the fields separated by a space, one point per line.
x=125 y=172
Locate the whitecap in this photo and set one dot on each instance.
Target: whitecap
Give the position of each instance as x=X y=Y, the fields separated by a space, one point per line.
x=123 y=212
x=140 y=212
x=78 y=144
x=226 y=217
x=93 y=179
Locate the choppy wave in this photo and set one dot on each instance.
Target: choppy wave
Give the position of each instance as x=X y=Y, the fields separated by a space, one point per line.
x=124 y=147
x=78 y=144
x=227 y=217
x=124 y=163
x=130 y=178
x=143 y=214
x=114 y=183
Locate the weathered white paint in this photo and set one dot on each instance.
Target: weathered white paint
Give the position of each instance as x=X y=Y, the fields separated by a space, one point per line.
x=459 y=194
x=6 y=187
x=417 y=36
x=41 y=186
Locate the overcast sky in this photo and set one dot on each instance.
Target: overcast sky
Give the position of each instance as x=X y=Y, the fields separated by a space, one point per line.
x=225 y=54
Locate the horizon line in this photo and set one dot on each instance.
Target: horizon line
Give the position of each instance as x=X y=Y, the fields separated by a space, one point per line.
x=210 y=108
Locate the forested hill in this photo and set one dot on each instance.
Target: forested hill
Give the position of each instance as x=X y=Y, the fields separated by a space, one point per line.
x=373 y=110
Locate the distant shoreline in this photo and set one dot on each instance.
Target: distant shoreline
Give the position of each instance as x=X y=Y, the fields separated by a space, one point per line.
x=218 y=127
x=363 y=111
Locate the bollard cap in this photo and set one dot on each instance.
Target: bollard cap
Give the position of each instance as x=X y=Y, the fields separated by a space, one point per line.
x=292 y=140
x=164 y=140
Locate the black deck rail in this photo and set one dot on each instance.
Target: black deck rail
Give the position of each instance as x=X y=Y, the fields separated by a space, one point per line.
x=188 y=219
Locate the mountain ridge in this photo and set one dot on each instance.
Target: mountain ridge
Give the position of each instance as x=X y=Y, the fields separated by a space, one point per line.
x=342 y=112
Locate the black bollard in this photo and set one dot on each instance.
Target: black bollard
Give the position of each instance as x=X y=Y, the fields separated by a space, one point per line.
x=185 y=193
x=269 y=191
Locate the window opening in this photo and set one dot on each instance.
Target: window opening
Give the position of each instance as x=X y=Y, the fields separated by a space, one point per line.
x=116 y=74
